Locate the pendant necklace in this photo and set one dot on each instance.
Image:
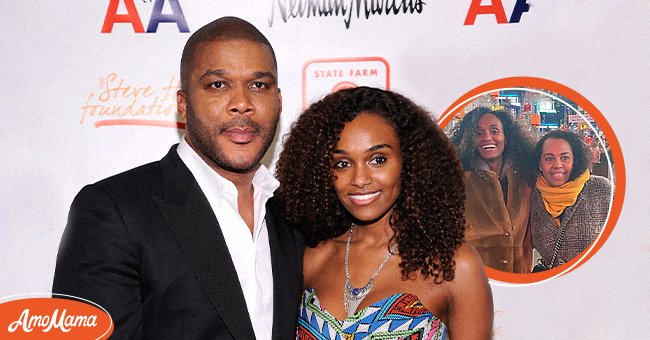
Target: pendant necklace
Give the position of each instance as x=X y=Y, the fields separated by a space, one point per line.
x=352 y=296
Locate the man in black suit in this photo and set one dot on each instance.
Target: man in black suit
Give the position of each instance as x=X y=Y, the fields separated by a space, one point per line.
x=194 y=246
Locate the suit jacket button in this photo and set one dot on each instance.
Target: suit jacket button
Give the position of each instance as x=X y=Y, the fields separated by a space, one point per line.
x=504 y=261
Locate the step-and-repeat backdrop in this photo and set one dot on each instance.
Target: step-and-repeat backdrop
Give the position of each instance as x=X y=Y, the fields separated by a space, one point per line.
x=88 y=90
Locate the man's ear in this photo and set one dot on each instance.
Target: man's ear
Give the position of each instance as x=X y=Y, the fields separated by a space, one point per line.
x=181 y=105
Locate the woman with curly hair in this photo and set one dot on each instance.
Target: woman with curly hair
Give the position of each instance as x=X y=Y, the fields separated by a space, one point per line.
x=377 y=190
x=569 y=206
x=495 y=151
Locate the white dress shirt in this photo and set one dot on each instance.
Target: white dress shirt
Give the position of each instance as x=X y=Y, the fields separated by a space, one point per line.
x=251 y=255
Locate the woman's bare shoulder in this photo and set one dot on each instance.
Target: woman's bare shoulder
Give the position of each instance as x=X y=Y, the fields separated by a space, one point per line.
x=471 y=311
x=469 y=271
x=467 y=260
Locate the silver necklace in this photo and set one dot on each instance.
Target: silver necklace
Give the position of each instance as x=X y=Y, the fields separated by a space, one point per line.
x=352 y=296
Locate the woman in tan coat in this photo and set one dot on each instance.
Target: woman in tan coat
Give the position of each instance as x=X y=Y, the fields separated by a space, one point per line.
x=495 y=153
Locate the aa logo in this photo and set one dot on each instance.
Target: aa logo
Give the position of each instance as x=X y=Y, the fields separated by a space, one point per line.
x=133 y=17
x=496 y=8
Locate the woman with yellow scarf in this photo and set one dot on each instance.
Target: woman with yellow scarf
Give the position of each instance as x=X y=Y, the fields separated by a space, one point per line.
x=569 y=206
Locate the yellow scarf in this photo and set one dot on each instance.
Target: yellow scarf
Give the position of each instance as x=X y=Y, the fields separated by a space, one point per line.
x=556 y=199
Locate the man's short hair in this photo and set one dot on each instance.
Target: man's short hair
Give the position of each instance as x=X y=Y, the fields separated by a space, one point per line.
x=226 y=28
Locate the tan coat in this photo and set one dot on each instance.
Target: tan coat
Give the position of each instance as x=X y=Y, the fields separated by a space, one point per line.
x=500 y=234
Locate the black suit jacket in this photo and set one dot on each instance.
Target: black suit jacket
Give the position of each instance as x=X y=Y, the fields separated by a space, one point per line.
x=146 y=245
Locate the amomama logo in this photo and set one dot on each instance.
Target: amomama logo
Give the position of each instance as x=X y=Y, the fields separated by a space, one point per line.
x=133 y=17
x=54 y=318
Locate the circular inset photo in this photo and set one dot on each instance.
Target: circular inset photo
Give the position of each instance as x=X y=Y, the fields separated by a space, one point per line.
x=544 y=177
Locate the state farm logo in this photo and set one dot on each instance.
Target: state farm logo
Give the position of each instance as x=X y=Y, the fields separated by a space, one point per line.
x=120 y=101
x=324 y=76
x=54 y=318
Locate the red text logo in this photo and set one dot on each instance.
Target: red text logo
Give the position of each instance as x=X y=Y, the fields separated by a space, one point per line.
x=132 y=17
x=323 y=76
x=496 y=9
x=53 y=318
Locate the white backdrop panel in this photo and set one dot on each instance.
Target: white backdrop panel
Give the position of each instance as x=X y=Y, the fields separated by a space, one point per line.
x=55 y=57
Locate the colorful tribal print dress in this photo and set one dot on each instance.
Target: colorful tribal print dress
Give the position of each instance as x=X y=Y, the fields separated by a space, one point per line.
x=399 y=316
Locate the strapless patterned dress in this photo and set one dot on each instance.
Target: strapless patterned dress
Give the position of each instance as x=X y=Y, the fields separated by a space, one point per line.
x=399 y=316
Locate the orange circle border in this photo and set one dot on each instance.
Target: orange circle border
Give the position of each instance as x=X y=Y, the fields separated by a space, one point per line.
x=618 y=164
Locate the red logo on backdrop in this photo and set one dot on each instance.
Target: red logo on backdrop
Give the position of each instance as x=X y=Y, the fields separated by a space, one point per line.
x=54 y=318
x=324 y=76
x=121 y=101
x=495 y=8
x=130 y=16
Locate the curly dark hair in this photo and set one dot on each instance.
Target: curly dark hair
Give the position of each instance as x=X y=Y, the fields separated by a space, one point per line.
x=518 y=147
x=428 y=216
x=580 y=150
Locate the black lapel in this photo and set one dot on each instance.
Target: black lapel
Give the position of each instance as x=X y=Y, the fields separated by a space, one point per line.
x=196 y=228
x=286 y=262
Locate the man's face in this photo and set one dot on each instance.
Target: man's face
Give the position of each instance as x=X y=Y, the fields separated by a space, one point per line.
x=232 y=104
